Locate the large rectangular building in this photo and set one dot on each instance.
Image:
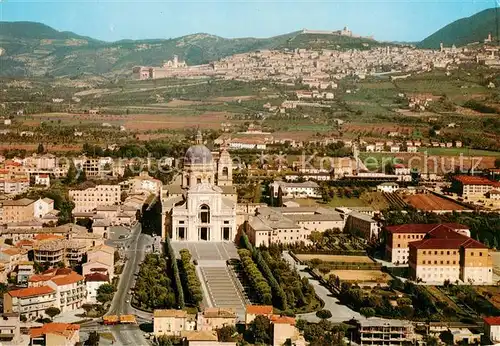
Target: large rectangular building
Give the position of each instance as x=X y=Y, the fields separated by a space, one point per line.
x=397 y=238
x=469 y=186
x=89 y=198
x=445 y=254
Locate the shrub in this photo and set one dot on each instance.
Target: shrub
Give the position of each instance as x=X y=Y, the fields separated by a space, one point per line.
x=367 y=312
x=324 y=314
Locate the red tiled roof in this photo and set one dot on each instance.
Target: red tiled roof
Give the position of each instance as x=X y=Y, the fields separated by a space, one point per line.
x=446 y=238
x=259 y=309
x=31 y=292
x=24 y=242
x=475 y=180
x=492 y=321
x=423 y=228
x=277 y=319
x=96 y=277
x=65 y=329
x=68 y=279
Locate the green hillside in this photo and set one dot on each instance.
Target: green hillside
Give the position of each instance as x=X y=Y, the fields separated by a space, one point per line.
x=34 y=49
x=464 y=31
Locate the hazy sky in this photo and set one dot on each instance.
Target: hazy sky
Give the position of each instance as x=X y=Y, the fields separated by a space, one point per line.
x=396 y=20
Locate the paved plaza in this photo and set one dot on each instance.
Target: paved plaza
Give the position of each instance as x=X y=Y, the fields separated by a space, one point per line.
x=208 y=251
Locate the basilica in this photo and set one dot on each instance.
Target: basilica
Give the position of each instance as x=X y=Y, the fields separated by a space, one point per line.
x=201 y=205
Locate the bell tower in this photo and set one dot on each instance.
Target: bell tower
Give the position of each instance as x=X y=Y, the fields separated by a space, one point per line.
x=224 y=168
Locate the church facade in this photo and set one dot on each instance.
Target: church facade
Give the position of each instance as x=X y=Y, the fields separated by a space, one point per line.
x=202 y=205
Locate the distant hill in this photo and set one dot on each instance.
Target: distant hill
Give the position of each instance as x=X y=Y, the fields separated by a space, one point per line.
x=464 y=31
x=34 y=49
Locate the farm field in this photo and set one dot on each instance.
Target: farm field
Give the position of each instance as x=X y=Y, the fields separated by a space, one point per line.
x=360 y=276
x=335 y=258
x=430 y=202
x=458 y=151
x=492 y=293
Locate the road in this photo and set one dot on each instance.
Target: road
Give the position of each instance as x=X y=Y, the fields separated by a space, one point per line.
x=135 y=250
x=340 y=313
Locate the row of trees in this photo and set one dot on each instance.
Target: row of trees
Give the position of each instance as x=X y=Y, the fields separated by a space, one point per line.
x=153 y=288
x=298 y=291
x=191 y=282
x=174 y=270
x=279 y=297
x=259 y=283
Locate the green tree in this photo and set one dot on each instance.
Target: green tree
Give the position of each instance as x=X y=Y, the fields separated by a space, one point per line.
x=81 y=176
x=164 y=341
x=40 y=149
x=93 y=339
x=260 y=329
x=105 y=293
x=227 y=333
x=71 y=175
x=52 y=311
x=324 y=314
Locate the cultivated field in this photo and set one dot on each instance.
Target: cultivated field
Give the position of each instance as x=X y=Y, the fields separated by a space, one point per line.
x=335 y=258
x=360 y=276
x=430 y=202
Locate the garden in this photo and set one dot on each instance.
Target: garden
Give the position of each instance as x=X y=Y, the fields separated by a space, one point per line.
x=274 y=281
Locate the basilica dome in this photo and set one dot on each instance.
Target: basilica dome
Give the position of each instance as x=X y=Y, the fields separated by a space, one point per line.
x=198 y=154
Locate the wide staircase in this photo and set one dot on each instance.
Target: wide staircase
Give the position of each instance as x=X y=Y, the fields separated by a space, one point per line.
x=222 y=288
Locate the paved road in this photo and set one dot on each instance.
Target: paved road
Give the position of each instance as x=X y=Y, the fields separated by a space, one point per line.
x=135 y=250
x=340 y=313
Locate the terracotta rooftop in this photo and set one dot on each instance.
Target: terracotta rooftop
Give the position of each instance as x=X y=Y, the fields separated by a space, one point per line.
x=218 y=312
x=96 y=277
x=31 y=292
x=446 y=238
x=277 y=319
x=492 y=321
x=68 y=279
x=259 y=309
x=423 y=228
x=475 y=180
x=170 y=313
x=64 y=329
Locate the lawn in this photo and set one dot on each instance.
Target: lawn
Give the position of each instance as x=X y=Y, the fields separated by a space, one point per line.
x=361 y=276
x=458 y=151
x=335 y=258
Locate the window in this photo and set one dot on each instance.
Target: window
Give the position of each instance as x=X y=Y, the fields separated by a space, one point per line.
x=198 y=181
x=480 y=254
x=425 y=252
x=435 y=252
x=447 y=252
x=472 y=253
x=225 y=172
x=442 y=252
x=435 y=262
x=204 y=213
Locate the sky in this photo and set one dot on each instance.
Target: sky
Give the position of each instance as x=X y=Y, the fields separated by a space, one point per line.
x=386 y=20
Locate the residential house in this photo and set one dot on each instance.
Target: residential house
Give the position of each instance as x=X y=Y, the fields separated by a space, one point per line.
x=92 y=283
x=492 y=329
x=172 y=322
x=215 y=318
x=30 y=302
x=55 y=334
x=253 y=311
x=388 y=187
x=393 y=332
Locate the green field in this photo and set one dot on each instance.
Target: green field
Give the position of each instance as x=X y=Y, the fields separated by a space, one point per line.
x=458 y=151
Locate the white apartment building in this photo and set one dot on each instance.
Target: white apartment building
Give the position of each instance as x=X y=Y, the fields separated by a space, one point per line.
x=31 y=301
x=295 y=190
x=86 y=200
x=70 y=291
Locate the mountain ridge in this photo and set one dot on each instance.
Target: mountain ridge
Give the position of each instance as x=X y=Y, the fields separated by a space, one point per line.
x=465 y=30
x=35 y=49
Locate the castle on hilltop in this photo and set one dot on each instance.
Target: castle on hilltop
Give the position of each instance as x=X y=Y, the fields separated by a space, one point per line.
x=344 y=32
